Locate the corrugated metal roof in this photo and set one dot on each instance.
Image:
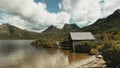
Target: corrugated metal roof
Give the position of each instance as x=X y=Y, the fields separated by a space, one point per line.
x=81 y=36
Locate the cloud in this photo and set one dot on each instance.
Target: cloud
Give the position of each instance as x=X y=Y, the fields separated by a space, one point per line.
x=85 y=12
x=82 y=11
x=29 y=15
x=110 y=6
x=35 y=14
x=13 y=20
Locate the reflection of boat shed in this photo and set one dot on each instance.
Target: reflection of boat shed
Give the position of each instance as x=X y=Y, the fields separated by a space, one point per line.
x=76 y=37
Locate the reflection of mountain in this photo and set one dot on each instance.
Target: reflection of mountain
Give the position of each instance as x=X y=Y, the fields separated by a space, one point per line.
x=8 y=31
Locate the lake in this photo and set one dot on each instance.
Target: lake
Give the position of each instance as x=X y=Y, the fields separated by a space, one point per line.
x=21 y=54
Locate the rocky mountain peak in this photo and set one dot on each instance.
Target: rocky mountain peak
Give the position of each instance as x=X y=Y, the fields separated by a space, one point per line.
x=117 y=11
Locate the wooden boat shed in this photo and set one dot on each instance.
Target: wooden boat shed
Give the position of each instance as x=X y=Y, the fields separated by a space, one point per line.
x=75 y=37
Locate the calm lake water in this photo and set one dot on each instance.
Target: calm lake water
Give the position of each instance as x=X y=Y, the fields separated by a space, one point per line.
x=21 y=54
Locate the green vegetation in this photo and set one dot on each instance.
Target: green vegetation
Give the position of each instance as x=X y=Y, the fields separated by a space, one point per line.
x=111 y=53
x=58 y=34
x=105 y=25
x=93 y=51
x=106 y=31
x=45 y=43
x=8 y=31
x=85 y=46
x=102 y=28
x=52 y=35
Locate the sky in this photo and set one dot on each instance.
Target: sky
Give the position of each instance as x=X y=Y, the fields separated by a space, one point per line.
x=37 y=15
x=52 y=5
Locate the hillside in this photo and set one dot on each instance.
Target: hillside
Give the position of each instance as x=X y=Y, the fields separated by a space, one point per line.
x=53 y=32
x=106 y=27
x=70 y=27
x=111 y=23
x=8 y=31
x=109 y=26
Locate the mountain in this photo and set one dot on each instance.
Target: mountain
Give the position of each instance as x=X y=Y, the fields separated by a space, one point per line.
x=8 y=31
x=53 y=32
x=51 y=29
x=108 y=24
x=107 y=28
x=70 y=27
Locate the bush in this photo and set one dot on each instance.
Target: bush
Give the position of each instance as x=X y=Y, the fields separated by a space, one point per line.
x=111 y=54
x=93 y=51
x=44 y=43
x=40 y=43
x=85 y=47
x=99 y=47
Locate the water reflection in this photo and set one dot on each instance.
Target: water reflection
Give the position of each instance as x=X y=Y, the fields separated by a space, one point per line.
x=72 y=57
x=9 y=46
x=20 y=54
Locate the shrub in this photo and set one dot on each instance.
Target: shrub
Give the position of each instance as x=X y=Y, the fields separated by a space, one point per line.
x=93 y=51
x=43 y=43
x=111 y=54
x=85 y=47
x=40 y=43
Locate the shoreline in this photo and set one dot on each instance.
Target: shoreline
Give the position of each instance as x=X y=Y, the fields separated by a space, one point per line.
x=91 y=62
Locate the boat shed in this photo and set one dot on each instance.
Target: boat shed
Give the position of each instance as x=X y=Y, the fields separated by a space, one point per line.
x=75 y=37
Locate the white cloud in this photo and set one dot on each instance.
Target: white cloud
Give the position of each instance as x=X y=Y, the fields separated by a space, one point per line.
x=29 y=15
x=13 y=20
x=82 y=11
x=60 y=6
x=88 y=11
x=36 y=15
x=110 y=6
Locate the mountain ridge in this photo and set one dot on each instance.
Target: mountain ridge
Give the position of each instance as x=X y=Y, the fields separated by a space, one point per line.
x=8 y=31
x=101 y=26
x=112 y=22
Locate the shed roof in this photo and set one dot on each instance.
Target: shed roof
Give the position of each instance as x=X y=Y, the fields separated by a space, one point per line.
x=81 y=36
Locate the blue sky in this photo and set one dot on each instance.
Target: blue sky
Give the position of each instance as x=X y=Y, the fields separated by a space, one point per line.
x=52 y=5
x=101 y=1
